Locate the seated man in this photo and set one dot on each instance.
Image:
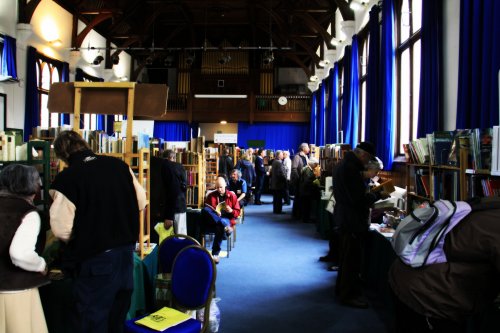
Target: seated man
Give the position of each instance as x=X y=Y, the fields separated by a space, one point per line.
x=221 y=209
x=238 y=185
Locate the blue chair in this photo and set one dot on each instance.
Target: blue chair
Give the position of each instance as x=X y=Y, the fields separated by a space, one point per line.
x=193 y=283
x=170 y=247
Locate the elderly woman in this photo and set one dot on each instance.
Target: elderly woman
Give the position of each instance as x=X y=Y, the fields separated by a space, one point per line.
x=22 y=270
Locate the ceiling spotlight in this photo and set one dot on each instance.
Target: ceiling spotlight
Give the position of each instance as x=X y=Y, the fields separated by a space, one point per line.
x=335 y=41
x=224 y=59
x=115 y=60
x=168 y=61
x=358 y=5
x=268 y=58
x=149 y=61
x=324 y=63
x=190 y=58
x=314 y=78
x=97 y=61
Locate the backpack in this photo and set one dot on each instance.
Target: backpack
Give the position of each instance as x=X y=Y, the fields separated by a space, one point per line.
x=419 y=238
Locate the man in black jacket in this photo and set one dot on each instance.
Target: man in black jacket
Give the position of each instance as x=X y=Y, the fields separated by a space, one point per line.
x=95 y=211
x=352 y=215
x=260 y=172
x=174 y=182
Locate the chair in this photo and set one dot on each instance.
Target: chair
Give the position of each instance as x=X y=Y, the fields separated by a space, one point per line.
x=193 y=282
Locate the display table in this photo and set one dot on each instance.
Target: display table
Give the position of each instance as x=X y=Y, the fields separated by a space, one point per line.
x=57 y=299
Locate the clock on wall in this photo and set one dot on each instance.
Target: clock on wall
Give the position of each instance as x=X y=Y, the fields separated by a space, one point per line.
x=282 y=100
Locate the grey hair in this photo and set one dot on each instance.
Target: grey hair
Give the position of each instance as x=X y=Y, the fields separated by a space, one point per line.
x=21 y=180
x=237 y=171
x=313 y=160
x=373 y=165
x=303 y=145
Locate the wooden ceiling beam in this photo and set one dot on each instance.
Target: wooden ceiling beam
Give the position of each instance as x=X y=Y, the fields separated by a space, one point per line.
x=26 y=9
x=90 y=26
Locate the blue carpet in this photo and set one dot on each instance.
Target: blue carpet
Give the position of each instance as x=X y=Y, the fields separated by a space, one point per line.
x=273 y=282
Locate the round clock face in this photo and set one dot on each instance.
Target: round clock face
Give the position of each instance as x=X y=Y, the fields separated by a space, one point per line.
x=282 y=100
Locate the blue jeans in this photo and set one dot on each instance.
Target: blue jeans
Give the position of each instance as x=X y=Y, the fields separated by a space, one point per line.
x=211 y=222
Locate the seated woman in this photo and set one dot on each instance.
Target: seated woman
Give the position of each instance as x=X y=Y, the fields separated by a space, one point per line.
x=221 y=210
x=22 y=269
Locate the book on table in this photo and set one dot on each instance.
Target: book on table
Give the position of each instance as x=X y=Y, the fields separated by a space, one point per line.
x=163 y=319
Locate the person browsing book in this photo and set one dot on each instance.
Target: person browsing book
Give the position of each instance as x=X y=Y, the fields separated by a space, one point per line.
x=175 y=183
x=219 y=214
x=95 y=212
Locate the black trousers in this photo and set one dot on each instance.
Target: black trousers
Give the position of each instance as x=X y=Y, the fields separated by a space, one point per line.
x=102 y=289
x=278 y=201
x=349 y=284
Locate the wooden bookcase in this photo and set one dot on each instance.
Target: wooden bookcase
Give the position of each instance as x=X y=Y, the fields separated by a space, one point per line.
x=194 y=164
x=212 y=167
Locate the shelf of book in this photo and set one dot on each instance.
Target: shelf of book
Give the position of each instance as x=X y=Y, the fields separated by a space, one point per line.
x=212 y=167
x=195 y=175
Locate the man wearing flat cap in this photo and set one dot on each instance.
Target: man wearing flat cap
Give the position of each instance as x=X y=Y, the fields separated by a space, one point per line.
x=351 y=214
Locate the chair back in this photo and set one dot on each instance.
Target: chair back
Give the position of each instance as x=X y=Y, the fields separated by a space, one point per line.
x=169 y=249
x=193 y=280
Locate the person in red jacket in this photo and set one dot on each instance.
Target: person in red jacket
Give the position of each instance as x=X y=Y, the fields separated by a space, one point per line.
x=221 y=210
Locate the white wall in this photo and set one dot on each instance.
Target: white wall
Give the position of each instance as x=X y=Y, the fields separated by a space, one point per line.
x=208 y=129
x=450 y=61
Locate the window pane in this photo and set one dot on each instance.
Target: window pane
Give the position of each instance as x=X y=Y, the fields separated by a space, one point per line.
x=363 y=109
x=404 y=106
x=55 y=75
x=416 y=14
x=93 y=122
x=86 y=121
x=405 y=21
x=416 y=85
x=45 y=76
x=44 y=112
x=364 y=58
x=54 y=119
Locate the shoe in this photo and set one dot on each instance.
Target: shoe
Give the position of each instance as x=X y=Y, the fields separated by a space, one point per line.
x=333 y=268
x=216 y=258
x=326 y=258
x=228 y=230
x=358 y=302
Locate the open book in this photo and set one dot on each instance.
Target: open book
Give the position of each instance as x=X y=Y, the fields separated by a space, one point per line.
x=221 y=207
x=163 y=319
x=386 y=186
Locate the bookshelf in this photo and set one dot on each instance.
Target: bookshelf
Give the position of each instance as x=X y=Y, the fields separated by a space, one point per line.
x=212 y=167
x=193 y=163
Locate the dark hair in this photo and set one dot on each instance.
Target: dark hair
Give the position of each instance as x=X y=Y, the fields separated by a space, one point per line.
x=21 y=180
x=168 y=154
x=68 y=143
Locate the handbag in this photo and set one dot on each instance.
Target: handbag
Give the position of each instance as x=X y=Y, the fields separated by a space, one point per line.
x=331 y=204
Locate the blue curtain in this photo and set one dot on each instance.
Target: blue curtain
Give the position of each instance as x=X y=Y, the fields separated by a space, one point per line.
x=312 y=121
x=350 y=103
x=32 y=107
x=320 y=132
x=430 y=108
x=479 y=63
x=65 y=78
x=373 y=92
x=172 y=131
x=287 y=136
x=332 y=129
x=9 y=67
x=386 y=120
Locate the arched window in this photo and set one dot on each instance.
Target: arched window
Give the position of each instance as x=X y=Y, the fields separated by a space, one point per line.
x=46 y=74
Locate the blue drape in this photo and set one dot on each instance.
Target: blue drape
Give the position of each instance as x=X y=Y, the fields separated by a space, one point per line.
x=479 y=63
x=32 y=107
x=332 y=128
x=312 y=121
x=172 y=131
x=65 y=78
x=386 y=121
x=430 y=109
x=373 y=91
x=350 y=103
x=320 y=132
x=9 y=67
x=287 y=136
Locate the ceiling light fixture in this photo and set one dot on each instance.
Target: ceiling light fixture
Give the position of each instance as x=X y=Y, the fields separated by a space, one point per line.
x=268 y=58
x=149 y=61
x=224 y=59
x=55 y=42
x=357 y=5
x=97 y=60
x=190 y=58
x=335 y=41
x=115 y=60
x=223 y=122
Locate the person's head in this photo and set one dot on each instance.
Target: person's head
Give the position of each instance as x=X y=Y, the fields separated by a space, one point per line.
x=169 y=154
x=313 y=162
x=373 y=167
x=67 y=143
x=235 y=174
x=365 y=151
x=220 y=185
x=286 y=154
x=20 y=180
x=225 y=151
x=304 y=147
x=261 y=152
x=279 y=154
x=250 y=151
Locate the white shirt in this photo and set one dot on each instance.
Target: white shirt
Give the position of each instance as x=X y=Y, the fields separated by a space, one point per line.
x=288 y=167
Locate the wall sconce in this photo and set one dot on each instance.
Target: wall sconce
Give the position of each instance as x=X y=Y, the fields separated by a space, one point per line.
x=224 y=59
x=268 y=58
x=314 y=78
x=324 y=63
x=115 y=60
x=335 y=41
x=55 y=43
x=97 y=60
